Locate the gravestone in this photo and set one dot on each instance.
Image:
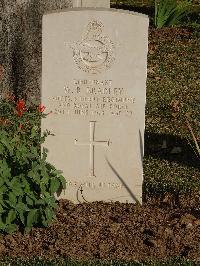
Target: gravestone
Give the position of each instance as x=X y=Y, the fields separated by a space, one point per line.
x=21 y=45
x=94 y=83
x=91 y=3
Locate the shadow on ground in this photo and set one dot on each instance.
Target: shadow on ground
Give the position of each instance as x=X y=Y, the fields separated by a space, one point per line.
x=171 y=148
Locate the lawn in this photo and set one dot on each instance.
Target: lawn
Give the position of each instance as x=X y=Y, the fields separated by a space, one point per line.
x=172 y=95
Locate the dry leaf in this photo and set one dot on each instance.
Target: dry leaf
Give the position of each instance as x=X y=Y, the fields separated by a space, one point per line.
x=175 y=104
x=151 y=52
x=1 y=72
x=174 y=114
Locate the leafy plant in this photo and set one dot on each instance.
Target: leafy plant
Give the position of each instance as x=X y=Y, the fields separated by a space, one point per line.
x=28 y=183
x=168 y=12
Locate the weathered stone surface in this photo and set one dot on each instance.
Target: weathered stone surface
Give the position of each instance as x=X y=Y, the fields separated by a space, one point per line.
x=94 y=82
x=91 y=3
x=21 y=44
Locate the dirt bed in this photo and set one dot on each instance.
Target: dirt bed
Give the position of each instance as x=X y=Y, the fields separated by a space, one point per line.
x=113 y=231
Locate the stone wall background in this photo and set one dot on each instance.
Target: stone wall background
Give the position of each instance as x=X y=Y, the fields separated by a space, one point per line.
x=21 y=45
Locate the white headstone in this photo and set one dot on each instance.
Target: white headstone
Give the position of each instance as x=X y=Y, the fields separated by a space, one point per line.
x=94 y=82
x=91 y=3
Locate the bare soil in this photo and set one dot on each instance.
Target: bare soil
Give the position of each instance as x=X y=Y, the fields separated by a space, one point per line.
x=114 y=231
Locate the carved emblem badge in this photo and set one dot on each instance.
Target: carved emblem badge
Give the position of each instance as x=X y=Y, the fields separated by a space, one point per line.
x=95 y=52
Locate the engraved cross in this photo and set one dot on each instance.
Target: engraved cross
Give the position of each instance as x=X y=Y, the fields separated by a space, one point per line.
x=92 y=143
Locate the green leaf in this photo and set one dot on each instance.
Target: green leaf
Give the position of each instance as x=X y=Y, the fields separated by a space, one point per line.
x=33 y=174
x=34 y=132
x=32 y=217
x=11 y=228
x=28 y=229
x=44 y=154
x=63 y=181
x=5 y=170
x=29 y=201
x=2 y=225
x=40 y=202
x=1 y=181
x=22 y=206
x=12 y=198
x=1 y=209
x=44 y=221
x=2 y=149
x=11 y=216
x=21 y=216
x=3 y=189
x=43 y=188
x=27 y=188
x=17 y=190
x=57 y=172
x=6 y=143
x=168 y=12
x=51 y=202
x=45 y=178
x=49 y=215
x=16 y=138
x=15 y=180
x=54 y=185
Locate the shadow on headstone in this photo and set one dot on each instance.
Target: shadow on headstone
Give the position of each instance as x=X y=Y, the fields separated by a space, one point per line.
x=123 y=182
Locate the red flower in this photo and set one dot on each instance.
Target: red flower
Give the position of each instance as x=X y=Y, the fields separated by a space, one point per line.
x=20 y=104
x=20 y=107
x=41 y=108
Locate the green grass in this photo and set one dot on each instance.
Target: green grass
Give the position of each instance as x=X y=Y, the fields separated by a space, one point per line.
x=147 y=7
x=173 y=66
x=176 y=77
x=173 y=76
